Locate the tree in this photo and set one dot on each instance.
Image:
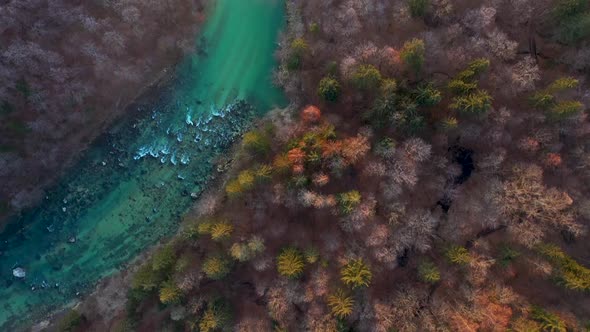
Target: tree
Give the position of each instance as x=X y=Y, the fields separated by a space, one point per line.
x=311 y=114
x=366 y=78
x=329 y=89
x=475 y=103
x=340 y=304
x=290 y=263
x=256 y=142
x=428 y=95
x=549 y=321
x=568 y=272
x=428 y=272
x=412 y=54
x=356 y=274
x=70 y=321
x=418 y=7
x=216 y=267
x=297 y=52
x=170 y=293
x=457 y=255
x=348 y=201
x=221 y=230
x=216 y=317
x=164 y=259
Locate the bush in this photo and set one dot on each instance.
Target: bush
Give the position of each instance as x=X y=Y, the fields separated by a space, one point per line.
x=256 y=142
x=170 y=293
x=428 y=272
x=70 y=321
x=458 y=255
x=329 y=89
x=340 y=304
x=366 y=78
x=418 y=7
x=216 y=267
x=356 y=274
x=348 y=201
x=412 y=54
x=290 y=263
x=297 y=52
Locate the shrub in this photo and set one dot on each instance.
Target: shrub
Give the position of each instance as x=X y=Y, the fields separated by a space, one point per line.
x=340 y=304
x=298 y=50
x=458 y=255
x=366 y=77
x=348 y=201
x=221 y=230
x=216 y=267
x=548 y=320
x=290 y=263
x=329 y=89
x=418 y=7
x=356 y=274
x=256 y=142
x=428 y=272
x=412 y=54
x=70 y=321
x=170 y=293
x=474 y=103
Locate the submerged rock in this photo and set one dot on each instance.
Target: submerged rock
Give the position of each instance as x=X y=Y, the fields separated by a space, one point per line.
x=19 y=272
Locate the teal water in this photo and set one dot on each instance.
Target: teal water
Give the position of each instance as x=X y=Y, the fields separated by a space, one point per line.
x=131 y=187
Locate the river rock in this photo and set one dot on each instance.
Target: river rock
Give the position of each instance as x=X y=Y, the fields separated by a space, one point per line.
x=19 y=272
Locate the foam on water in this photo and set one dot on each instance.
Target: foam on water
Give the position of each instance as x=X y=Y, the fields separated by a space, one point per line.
x=131 y=187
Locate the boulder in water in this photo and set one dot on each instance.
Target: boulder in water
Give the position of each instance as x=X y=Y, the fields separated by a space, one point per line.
x=19 y=272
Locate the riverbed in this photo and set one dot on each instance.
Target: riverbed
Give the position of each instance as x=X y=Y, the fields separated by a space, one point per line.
x=132 y=186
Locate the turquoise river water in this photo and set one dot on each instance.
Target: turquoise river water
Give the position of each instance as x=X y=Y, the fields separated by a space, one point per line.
x=135 y=182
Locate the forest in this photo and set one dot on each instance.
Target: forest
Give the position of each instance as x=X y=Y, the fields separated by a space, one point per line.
x=431 y=173
x=68 y=69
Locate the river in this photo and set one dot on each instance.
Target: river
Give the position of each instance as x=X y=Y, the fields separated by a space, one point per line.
x=131 y=187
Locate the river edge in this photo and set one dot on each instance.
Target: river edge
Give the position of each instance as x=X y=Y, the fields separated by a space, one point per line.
x=107 y=300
